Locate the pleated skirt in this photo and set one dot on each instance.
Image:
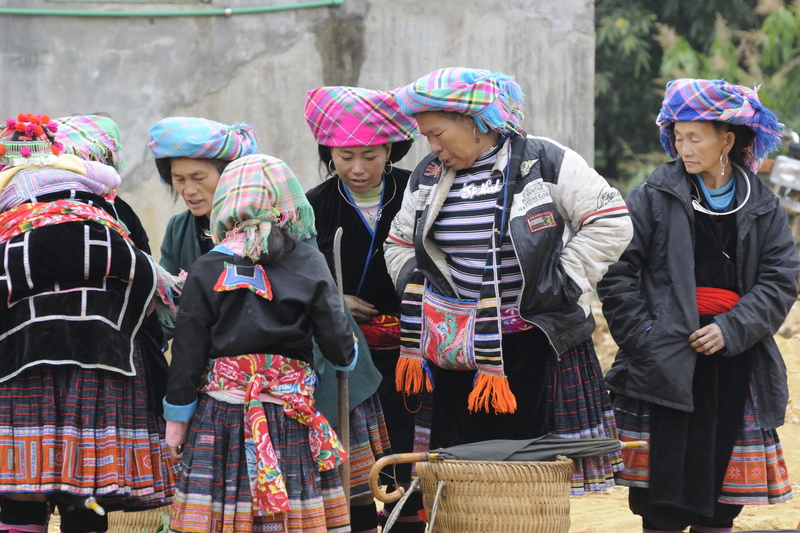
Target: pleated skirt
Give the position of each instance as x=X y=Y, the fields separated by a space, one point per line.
x=756 y=473
x=564 y=396
x=213 y=489
x=84 y=432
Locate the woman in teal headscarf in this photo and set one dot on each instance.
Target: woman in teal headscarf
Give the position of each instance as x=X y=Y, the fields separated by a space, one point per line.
x=191 y=154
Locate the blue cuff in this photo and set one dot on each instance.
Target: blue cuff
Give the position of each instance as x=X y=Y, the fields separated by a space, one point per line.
x=724 y=352
x=179 y=413
x=352 y=365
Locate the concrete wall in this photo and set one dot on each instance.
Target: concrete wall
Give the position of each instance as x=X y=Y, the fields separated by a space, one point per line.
x=257 y=68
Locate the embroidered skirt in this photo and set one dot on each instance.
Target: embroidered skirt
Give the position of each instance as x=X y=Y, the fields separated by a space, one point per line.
x=756 y=473
x=369 y=441
x=213 y=495
x=581 y=409
x=564 y=396
x=84 y=432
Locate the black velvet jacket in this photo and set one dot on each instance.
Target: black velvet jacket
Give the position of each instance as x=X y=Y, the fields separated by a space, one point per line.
x=332 y=211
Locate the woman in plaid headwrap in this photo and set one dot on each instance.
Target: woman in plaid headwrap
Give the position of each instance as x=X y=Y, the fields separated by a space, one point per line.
x=361 y=134
x=256 y=454
x=498 y=244
x=190 y=154
x=693 y=304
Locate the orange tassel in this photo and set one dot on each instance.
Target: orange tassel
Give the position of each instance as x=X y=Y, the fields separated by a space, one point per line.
x=410 y=377
x=494 y=391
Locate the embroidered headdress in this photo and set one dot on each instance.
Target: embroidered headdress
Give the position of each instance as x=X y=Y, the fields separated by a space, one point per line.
x=493 y=100
x=92 y=138
x=352 y=116
x=689 y=99
x=255 y=192
x=29 y=140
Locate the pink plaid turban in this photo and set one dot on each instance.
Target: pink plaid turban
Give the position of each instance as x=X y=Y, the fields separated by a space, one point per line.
x=352 y=116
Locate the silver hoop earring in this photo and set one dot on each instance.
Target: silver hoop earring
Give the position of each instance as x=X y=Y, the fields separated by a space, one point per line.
x=388 y=168
x=725 y=164
x=331 y=169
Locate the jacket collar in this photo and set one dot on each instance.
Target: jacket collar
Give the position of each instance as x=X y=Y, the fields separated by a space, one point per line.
x=673 y=179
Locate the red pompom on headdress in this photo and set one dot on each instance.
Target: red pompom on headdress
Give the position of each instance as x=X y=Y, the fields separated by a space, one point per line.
x=29 y=136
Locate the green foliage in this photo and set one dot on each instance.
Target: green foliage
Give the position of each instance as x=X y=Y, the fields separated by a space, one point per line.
x=624 y=91
x=768 y=56
x=642 y=44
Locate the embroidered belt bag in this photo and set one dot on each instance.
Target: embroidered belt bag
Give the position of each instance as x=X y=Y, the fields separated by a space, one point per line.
x=448 y=331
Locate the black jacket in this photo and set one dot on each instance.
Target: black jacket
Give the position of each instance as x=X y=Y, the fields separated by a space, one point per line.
x=305 y=304
x=332 y=211
x=649 y=295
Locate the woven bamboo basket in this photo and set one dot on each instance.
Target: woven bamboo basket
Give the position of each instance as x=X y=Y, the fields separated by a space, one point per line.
x=496 y=497
x=140 y=521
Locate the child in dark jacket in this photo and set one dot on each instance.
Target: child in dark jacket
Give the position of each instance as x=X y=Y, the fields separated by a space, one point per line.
x=256 y=454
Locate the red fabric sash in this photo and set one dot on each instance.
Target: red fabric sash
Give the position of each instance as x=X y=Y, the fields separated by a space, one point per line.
x=382 y=332
x=711 y=301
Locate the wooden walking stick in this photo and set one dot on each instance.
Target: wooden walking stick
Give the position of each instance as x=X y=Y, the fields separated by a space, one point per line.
x=342 y=379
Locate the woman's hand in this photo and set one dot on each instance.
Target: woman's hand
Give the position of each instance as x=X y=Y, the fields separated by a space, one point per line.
x=175 y=453
x=707 y=340
x=361 y=310
x=175 y=436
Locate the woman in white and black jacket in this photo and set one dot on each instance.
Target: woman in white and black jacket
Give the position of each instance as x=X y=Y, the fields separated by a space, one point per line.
x=518 y=229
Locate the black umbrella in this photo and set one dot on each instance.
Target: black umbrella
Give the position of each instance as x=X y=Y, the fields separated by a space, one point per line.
x=544 y=448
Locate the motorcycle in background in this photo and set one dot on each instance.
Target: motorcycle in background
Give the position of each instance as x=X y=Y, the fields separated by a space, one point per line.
x=784 y=179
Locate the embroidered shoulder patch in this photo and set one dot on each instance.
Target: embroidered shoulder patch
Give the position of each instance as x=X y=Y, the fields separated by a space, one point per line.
x=541 y=221
x=244 y=277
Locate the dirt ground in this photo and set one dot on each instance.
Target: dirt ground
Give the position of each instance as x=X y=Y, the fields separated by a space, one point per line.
x=606 y=512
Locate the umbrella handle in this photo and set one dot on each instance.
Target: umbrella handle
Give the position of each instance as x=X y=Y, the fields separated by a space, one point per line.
x=394 y=459
x=633 y=444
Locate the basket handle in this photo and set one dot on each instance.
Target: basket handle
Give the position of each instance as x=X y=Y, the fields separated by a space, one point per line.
x=394 y=459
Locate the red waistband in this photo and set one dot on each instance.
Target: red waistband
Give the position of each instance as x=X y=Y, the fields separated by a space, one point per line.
x=711 y=301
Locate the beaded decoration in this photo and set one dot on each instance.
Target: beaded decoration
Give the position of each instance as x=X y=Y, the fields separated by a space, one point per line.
x=29 y=140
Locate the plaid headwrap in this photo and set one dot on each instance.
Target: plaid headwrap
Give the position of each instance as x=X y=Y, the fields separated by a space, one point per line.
x=255 y=192
x=200 y=138
x=688 y=100
x=92 y=138
x=352 y=116
x=493 y=100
